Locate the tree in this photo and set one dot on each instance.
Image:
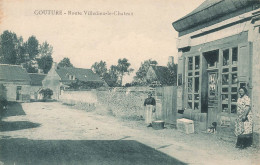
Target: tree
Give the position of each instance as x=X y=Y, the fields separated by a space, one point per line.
x=21 y=52
x=30 y=67
x=122 y=68
x=99 y=68
x=140 y=77
x=8 y=50
x=47 y=93
x=65 y=62
x=45 y=49
x=45 y=63
x=111 y=77
x=32 y=47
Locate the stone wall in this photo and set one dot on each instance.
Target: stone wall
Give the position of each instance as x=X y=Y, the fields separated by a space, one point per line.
x=124 y=103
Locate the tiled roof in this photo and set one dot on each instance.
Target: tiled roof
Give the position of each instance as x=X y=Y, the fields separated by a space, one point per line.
x=36 y=79
x=13 y=73
x=79 y=73
x=208 y=10
x=164 y=75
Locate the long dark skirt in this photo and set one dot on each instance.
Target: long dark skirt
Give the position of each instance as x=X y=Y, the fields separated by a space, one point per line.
x=244 y=141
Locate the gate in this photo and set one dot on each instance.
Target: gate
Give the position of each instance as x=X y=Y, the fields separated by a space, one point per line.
x=166 y=104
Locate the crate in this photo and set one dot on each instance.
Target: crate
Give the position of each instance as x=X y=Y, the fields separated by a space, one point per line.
x=185 y=125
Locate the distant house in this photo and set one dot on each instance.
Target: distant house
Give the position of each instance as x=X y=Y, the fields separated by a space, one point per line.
x=160 y=76
x=16 y=81
x=36 y=85
x=61 y=78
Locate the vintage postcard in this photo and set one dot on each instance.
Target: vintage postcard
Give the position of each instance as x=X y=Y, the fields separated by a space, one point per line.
x=118 y=82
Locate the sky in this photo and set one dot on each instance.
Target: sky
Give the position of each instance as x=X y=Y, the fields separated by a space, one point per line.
x=144 y=32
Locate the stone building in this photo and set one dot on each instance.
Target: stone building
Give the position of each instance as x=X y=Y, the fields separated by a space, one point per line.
x=59 y=79
x=16 y=82
x=218 y=52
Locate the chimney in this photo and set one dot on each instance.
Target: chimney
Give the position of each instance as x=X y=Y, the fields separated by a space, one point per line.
x=171 y=60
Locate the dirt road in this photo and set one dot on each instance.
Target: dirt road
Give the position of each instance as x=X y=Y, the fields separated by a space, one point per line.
x=51 y=133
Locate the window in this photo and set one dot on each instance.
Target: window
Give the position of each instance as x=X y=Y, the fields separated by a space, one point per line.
x=229 y=81
x=193 y=82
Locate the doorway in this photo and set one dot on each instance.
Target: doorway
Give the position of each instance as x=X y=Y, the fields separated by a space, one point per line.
x=18 y=93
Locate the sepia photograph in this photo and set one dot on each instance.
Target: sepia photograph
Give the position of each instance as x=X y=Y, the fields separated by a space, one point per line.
x=129 y=82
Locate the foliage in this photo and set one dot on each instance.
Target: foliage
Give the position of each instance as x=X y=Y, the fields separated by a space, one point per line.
x=99 y=68
x=8 y=50
x=47 y=93
x=45 y=63
x=65 y=62
x=122 y=68
x=32 y=47
x=30 y=67
x=140 y=77
x=84 y=85
x=13 y=50
x=45 y=49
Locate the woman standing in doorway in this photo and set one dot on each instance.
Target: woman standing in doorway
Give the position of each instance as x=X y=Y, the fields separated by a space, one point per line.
x=244 y=121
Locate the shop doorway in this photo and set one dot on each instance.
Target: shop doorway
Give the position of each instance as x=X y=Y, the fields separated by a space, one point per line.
x=212 y=96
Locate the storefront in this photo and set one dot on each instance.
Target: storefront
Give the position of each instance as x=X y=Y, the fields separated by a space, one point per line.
x=218 y=53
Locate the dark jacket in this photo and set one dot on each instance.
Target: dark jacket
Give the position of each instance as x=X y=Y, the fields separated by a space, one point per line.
x=149 y=101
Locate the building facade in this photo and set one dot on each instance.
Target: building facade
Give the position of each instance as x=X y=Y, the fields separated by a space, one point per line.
x=218 y=52
x=16 y=81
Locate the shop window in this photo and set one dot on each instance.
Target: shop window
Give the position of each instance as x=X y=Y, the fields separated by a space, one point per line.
x=229 y=81
x=225 y=70
x=196 y=106
x=234 y=89
x=190 y=63
x=226 y=57
x=189 y=105
x=196 y=90
x=196 y=97
x=234 y=98
x=225 y=108
x=197 y=62
x=234 y=56
x=234 y=69
x=225 y=79
x=189 y=97
x=193 y=82
x=190 y=89
x=234 y=78
x=233 y=109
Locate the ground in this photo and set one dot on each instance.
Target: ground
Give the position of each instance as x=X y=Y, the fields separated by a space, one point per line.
x=53 y=133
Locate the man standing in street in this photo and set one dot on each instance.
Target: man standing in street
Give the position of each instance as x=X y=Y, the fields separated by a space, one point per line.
x=149 y=105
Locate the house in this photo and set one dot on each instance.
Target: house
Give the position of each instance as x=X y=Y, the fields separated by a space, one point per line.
x=16 y=82
x=218 y=52
x=160 y=76
x=36 y=85
x=59 y=79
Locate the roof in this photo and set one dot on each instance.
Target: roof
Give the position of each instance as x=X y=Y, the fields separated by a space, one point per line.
x=79 y=73
x=164 y=75
x=208 y=10
x=13 y=73
x=36 y=79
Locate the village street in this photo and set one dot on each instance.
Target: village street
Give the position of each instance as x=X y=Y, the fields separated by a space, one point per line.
x=52 y=133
